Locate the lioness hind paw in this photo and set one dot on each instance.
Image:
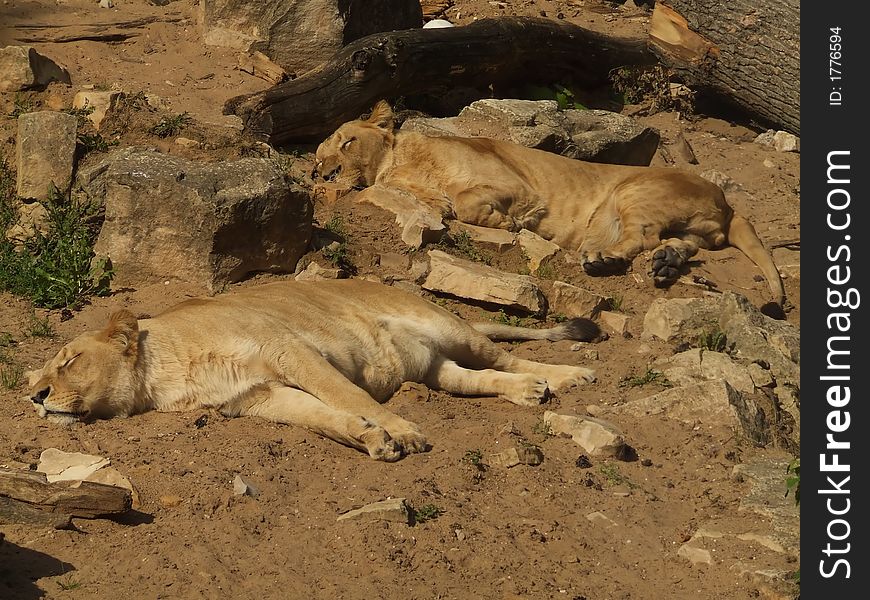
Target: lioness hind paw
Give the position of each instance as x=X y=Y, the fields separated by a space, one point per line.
x=412 y=443
x=388 y=451
x=666 y=263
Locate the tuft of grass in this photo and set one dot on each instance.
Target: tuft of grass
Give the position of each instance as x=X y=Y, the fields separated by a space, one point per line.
x=93 y=142
x=69 y=583
x=20 y=105
x=11 y=375
x=649 y=377
x=338 y=252
x=547 y=271
x=40 y=327
x=427 y=512
x=610 y=471
x=170 y=126
x=464 y=247
x=542 y=428
x=614 y=303
x=53 y=270
x=793 y=481
x=714 y=341
x=512 y=320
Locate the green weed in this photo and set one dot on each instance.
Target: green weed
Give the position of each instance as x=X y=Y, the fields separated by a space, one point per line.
x=170 y=126
x=11 y=375
x=714 y=341
x=649 y=377
x=427 y=512
x=793 y=481
x=464 y=247
x=53 y=270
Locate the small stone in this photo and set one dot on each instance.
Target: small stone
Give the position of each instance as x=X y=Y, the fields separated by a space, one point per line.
x=107 y=4
x=394 y=509
x=583 y=462
x=187 y=142
x=614 y=322
x=694 y=554
x=646 y=462
x=242 y=487
x=536 y=248
x=599 y=518
x=621 y=491
x=596 y=436
x=170 y=501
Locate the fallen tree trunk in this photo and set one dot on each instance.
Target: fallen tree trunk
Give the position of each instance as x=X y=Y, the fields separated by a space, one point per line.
x=500 y=52
x=28 y=490
x=745 y=51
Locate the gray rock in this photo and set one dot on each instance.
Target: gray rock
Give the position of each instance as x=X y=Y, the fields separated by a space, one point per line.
x=597 y=436
x=697 y=365
x=593 y=135
x=45 y=147
x=22 y=67
x=520 y=455
x=395 y=509
x=167 y=218
x=781 y=141
x=474 y=281
x=299 y=35
x=713 y=402
x=572 y=301
x=243 y=487
x=766 y=497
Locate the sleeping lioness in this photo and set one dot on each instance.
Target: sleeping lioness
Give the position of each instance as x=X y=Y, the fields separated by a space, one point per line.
x=610 y=213
x=319 y=354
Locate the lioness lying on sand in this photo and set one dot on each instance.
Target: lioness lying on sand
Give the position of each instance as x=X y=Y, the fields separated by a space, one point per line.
x=321 y=355
x=610 y=213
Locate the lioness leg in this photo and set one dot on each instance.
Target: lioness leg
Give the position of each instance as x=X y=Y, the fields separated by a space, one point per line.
x=295 y=407
x=525 y=389
x=302 y=366
x=614 y=237
x=490 y=207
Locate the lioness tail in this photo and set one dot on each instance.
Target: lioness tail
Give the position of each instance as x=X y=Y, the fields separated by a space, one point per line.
x=742 y=235
x=580 y=329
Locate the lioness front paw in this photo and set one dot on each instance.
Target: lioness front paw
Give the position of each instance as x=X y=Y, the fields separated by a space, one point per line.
x=578 y=376
x=597 y=264
x=532 y=392
x=379 y=444
x=409 y=437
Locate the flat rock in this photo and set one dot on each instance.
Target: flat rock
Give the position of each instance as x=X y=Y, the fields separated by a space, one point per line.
x=614 y=322
x=22 y=68
x=394 y=509
x=766 y=497
x=599 y=518
x=597 y=436
x=45 y=148
x=572 y=301
x=536 y=248
x=474 y=281
x=420 y=223
x=488 y=238
x=698 y=364
x=68 y=466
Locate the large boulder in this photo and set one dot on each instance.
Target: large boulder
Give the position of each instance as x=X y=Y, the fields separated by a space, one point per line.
x=45 y=147
x=299 y=35
x=593 y=135
x=167 y=218
x=22 y=67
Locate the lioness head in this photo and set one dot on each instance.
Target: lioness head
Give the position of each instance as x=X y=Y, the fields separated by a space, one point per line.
x=354 y=153
x=91 y=377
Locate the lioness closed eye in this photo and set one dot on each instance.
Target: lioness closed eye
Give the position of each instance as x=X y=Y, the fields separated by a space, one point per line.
x=610 y=213
x=321 y=355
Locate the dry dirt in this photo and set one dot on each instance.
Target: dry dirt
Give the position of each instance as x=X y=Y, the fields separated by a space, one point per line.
x=502 y=533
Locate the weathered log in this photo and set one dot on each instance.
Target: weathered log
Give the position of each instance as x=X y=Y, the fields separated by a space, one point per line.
x=745 y=51
x=76 y=498
x=499 y=52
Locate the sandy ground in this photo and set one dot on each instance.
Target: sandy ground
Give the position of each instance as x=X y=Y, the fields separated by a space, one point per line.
x=523 y=532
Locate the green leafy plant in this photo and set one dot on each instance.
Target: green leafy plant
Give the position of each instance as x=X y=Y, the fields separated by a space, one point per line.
x=93 y=142
x=473 y=458
x=427 y=512
x=714 y=341
x=505 y=319
x=649 y=377
x=170 y=126
x=463 y=246
x=793 y=480
x=541 y=427
x=55 y=269
x=20 y=105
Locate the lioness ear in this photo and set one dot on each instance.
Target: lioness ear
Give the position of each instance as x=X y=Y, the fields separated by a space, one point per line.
x=123 y=329
x=382 y=115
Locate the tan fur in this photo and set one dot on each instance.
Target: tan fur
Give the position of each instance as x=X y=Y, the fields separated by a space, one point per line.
x=610 y=213
x=321 y=355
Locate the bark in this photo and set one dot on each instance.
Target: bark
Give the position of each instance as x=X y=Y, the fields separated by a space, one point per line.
x=76 y=498
x=746 y=51
x=498 y=52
